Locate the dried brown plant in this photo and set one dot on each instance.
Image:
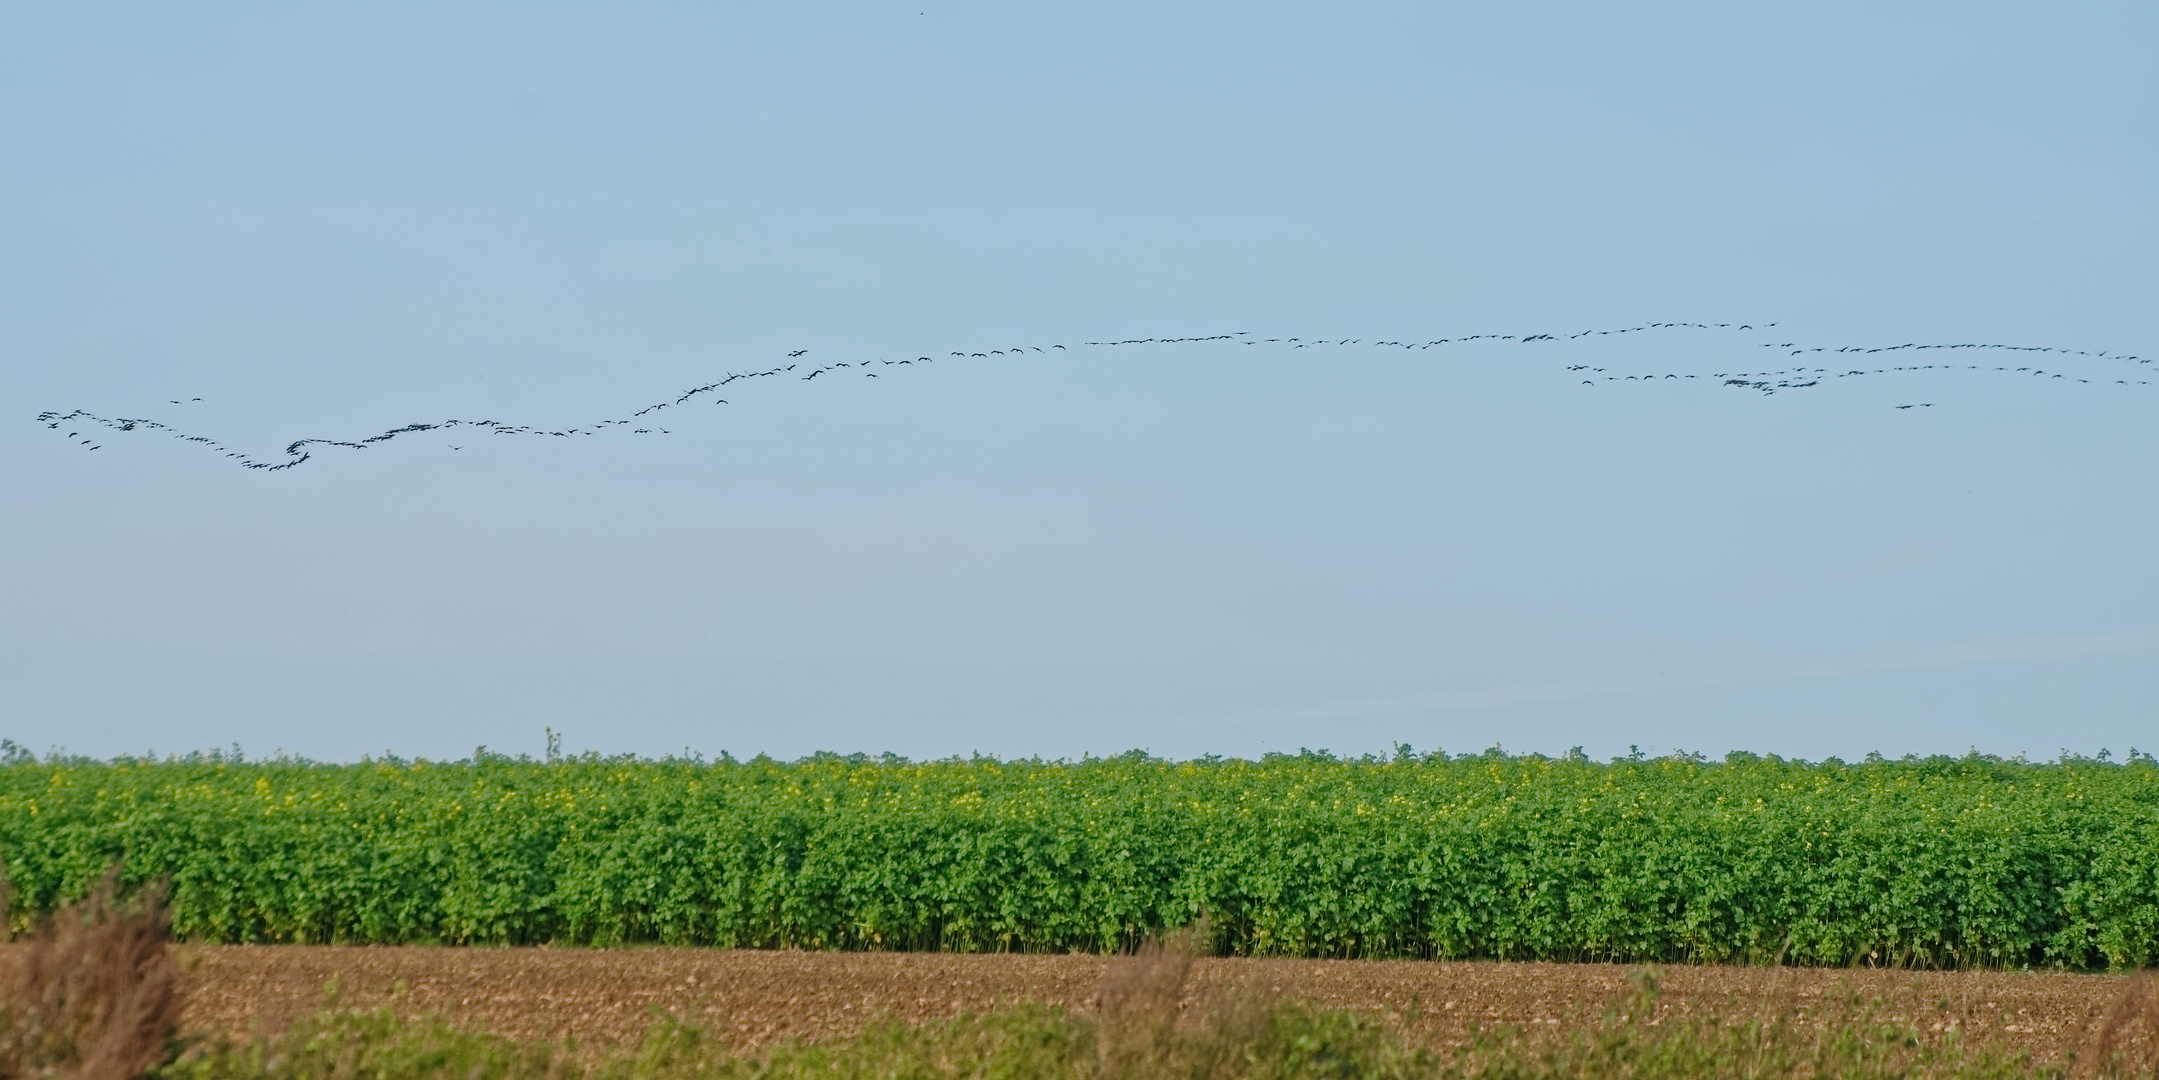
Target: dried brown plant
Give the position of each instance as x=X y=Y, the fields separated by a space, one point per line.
x=2127 y=1042
x=1148 y=982
x=1147 y=1029
x=1138 y=1003
x=94 y=993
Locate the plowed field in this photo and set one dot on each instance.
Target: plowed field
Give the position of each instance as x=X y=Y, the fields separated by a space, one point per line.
x=750 y=998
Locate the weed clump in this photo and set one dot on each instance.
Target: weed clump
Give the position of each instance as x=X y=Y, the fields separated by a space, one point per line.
x=94 y=993
x=1146 y=1027
x=2127 y=1042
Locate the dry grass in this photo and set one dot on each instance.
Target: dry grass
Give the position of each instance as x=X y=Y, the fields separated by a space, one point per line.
x=94 y=993
x=2127 y=1042
x=1147 y=1027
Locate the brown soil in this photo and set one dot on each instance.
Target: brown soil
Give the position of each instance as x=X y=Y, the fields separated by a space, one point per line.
x=599 y=997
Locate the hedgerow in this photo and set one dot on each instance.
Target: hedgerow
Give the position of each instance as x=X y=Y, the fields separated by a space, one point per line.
x=1937 y=861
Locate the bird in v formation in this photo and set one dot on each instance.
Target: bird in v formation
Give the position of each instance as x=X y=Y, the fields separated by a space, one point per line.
x=1790 y=377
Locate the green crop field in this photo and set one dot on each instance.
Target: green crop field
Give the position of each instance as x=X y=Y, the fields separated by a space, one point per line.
x=1938 y=861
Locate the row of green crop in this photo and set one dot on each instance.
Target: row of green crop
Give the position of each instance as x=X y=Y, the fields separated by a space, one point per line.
x=1939 y=861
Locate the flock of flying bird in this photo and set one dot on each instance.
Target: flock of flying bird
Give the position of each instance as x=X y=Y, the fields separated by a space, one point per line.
x=1799 y=376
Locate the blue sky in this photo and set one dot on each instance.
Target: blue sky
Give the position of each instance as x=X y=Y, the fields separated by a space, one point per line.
x=329 y=220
